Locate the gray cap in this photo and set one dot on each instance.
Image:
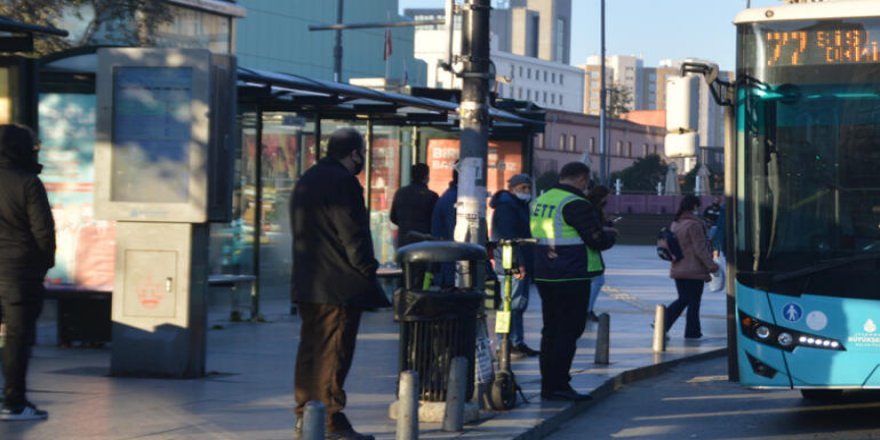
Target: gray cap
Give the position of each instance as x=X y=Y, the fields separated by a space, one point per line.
x=519 y=179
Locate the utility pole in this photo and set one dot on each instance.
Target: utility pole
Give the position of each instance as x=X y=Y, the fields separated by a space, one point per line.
x=470 y=224
x=603 y=143
x=337 y=50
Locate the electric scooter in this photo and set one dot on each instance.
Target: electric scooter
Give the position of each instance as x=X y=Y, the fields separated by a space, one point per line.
x=504 y=387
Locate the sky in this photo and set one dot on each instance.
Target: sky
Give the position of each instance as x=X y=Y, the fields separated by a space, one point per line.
x=651 y=29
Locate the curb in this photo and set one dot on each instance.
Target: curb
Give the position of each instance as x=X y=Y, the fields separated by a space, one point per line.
x=608 y=388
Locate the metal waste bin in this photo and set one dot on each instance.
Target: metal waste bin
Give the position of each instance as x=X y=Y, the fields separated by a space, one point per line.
x=436 y=325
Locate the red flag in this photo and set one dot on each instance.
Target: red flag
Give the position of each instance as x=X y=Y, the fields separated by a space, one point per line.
x=387 y=53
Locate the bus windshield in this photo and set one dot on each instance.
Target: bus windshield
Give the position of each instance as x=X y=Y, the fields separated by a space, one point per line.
x=808 y=157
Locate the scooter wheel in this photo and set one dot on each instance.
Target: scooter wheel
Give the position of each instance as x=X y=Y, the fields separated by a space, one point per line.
x=503 y=395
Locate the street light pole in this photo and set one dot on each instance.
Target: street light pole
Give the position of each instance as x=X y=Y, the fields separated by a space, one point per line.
x=470 y=225
x=337 y=50
x=603 y=147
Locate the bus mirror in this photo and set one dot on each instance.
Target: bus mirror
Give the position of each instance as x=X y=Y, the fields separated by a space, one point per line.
x=682 y=94
x=681 y=144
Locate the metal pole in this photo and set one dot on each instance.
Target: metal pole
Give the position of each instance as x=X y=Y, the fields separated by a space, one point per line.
x=659 y=345
x=603 y=337
x=450 y=32
x=408 y=406
x=313 y=421
x=453 y=417
x=474 y=113
x=337 y=50
x=603 y=147
x=258 y=215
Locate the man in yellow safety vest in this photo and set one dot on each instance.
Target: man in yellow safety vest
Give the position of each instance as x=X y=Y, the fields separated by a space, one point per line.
x=570 y=236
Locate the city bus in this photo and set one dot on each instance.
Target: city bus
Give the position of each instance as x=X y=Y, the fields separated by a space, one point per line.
x=805 y=199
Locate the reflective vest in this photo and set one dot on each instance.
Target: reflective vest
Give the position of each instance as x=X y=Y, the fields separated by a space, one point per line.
x=561 y=254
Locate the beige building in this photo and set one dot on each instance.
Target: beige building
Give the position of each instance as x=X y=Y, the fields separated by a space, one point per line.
x=572 y=136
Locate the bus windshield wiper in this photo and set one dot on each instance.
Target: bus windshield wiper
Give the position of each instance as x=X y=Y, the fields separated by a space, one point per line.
x=824 y=265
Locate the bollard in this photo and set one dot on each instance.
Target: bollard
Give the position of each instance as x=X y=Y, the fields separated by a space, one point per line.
x=603 y=337
x=659 y=329
x=313 y=421
x=408 y=406
x=453 y=416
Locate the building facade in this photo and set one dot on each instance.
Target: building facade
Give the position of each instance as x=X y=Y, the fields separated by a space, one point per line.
x=275 y=36
x=570 y=136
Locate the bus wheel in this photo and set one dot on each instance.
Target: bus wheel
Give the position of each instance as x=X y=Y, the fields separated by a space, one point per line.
x=821 y=394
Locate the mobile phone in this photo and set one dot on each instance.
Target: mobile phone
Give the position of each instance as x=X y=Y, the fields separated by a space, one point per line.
x=616 y=219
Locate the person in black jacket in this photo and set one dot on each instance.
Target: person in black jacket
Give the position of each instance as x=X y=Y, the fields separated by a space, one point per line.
x=511 y=220
x=570 y=237
x=27 y=252
x=334 y=276
x=411 y=212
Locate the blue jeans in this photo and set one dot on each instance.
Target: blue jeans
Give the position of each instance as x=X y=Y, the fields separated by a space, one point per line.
x=519 y=301
x=595 y=286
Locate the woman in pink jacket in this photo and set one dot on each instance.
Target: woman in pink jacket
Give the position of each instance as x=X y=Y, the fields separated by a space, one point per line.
x=691 y=272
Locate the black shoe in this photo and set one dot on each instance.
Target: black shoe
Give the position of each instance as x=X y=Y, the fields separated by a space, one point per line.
x=524 y=350
x=697 y=336
x=348 y=434
x=25 y=412
x=568 y=395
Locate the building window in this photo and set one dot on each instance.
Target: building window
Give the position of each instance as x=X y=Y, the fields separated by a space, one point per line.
x=529 y=73
x=562 y=139
x=656 y=149
x=545 y=97
x=558 y=41
x=539 y=140
x=512 y=70
x=629 y=149
x=572 y=143
x=553 y=77
x=528 y=95
x=644 y=150
x=545 y=76
x=553 y=98
x=519 y=93
x=520 y=71
x=560 y=79
x=560 y=99
x=619 y=150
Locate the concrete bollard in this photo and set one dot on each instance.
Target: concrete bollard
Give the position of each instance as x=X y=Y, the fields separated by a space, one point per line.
x=313 y=421
x=408 y=409
x=603 y=339
x=659 y=329
x=453 y=417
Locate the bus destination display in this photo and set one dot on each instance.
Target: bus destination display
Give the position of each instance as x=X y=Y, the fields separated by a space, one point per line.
x=850 y=44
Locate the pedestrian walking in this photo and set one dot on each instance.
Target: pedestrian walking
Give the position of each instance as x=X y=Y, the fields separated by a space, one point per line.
x=691 y=272
x=334 y=277
x=570 y=236
x=27 y=252
x=598 y=196
x=509 y=221
x=411 y=211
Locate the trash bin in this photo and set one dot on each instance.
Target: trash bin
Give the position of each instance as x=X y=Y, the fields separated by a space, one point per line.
x=436 y=325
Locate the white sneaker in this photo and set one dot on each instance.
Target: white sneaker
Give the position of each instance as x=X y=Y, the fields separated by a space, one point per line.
x=26 y=412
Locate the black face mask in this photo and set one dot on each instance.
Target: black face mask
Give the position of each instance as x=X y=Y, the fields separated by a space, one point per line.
x=359 y=166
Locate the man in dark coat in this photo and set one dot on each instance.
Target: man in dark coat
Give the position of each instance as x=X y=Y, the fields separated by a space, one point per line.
x=412 y=206
x=334 y=276
x=511 y=220
x=27 y=252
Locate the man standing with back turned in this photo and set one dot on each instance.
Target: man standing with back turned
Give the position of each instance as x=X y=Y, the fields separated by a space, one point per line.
x=570 y=236
x=334 y=277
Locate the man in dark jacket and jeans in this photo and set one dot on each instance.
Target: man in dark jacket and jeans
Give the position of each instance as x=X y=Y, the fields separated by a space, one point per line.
x=334 y=276
x=27 y=252
x=511 y=220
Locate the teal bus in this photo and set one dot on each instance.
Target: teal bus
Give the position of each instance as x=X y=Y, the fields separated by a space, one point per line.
x=805 y=197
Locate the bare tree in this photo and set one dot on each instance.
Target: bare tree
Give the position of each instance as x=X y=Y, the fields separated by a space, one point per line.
x=122 y=22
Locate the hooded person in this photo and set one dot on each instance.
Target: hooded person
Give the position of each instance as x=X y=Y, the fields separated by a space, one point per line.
x=27 y=252
x=511 y=220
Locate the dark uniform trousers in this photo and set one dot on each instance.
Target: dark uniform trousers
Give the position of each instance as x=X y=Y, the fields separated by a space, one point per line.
x=564 y=308
x=326 y=349
x=21 y=303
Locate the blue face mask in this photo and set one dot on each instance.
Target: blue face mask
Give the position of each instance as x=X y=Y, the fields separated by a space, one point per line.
x=525 y=197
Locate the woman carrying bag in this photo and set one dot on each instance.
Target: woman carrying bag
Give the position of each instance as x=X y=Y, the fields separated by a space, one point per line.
x=693 y=271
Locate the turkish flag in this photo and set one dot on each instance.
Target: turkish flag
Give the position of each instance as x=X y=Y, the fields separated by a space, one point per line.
x=387 y=53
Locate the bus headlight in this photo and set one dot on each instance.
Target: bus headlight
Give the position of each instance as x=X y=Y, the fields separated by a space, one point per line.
x=783 y=338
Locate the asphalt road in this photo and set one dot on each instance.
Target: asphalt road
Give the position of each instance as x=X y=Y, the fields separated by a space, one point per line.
x=695 y=401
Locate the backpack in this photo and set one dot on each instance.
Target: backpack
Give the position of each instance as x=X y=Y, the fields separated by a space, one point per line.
x=668 y=247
